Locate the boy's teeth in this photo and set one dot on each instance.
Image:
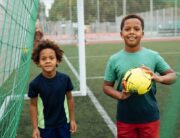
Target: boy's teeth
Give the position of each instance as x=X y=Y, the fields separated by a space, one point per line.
x=131 y=38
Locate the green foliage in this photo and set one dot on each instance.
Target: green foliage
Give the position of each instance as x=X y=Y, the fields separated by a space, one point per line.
x=61 y=10
x=67 y=9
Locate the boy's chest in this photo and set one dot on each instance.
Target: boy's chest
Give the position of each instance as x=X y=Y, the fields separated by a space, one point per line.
x=122 y=66
x=52 y=91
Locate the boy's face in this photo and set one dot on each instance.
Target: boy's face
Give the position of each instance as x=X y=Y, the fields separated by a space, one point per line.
x=132 y=32
x=48 y=61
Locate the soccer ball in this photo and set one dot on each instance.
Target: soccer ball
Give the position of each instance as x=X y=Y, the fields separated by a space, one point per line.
x=137 y=80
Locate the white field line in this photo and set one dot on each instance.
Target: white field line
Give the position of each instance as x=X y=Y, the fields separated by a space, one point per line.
x=71 y=67
x=101 y=77
x=169 y=53
x=105 y=56
x=96 y=103
x=95 y=77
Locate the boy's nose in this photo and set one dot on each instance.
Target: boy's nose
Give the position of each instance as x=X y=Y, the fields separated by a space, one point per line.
x=132 y=31
x=47 y=60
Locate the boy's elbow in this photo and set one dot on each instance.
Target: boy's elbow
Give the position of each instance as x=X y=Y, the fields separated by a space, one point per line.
x=173 y=78
x=104 y=89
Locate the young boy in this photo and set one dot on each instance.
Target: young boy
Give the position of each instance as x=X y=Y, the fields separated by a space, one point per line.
x=47 y=92
x=137 y=115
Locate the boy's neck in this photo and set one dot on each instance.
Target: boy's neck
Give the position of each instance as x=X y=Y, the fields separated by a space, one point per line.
x=132 y=49
x=49 y=75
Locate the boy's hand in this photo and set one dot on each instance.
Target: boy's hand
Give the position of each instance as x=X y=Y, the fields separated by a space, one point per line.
x=124 y=95
x=155 y=77
x=147 y=70
x=36 y=133
x=73 y=126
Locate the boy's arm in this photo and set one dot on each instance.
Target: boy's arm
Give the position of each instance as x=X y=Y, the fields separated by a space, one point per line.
x=33 y=114
x=168 y=77
x=108 y=88
x=70 y=101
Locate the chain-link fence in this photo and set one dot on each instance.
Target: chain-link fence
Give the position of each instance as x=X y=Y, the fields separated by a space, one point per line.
x=103 y=18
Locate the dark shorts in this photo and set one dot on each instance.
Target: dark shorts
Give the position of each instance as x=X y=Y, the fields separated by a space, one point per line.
x=58 y=132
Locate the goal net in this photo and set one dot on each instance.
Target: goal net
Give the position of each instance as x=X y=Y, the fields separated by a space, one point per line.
x=17 y=21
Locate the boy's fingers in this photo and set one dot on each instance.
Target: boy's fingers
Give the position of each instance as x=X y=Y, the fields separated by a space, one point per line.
x=124 y=84
x=147 y=70
x=73 y=129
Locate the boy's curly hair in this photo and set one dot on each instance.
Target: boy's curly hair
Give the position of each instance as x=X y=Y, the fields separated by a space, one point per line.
x=43 y=45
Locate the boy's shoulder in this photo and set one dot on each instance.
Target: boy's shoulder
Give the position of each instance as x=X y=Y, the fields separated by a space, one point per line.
x=62 y=75
x=150 y=51
x=37 y=79
x=117 y=54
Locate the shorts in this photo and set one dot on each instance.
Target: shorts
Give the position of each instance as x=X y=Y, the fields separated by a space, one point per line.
x=143 y=130
x=57 y=132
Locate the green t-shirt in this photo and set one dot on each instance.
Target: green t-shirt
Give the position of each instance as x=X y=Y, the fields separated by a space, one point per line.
x=137 y=108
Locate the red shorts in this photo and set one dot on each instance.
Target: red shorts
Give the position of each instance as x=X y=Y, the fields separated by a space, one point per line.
x=144 y=130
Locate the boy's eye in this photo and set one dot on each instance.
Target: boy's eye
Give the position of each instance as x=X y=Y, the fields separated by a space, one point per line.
x=127 y=29
x=51 y=58
x=43 y=58
x=137 y=28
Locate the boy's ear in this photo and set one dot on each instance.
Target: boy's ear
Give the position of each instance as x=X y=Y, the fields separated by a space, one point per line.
x=57 y=63
x=121 y=35
x=142 y=33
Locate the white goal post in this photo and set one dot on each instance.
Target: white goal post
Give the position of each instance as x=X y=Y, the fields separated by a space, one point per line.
x=81 y=47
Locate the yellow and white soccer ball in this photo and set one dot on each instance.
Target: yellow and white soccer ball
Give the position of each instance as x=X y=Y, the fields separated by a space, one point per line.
x=137 y=80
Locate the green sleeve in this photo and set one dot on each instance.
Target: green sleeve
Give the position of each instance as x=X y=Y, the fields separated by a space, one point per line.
x=110 y=72
x=161 y=65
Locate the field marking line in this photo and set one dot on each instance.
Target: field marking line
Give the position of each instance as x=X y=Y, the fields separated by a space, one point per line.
x=105 y=56
x=96 y=103
x=101 y=77
x=169 y=53
x=94 y=77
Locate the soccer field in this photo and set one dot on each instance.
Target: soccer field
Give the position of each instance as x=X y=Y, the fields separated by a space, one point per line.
x=90 y=122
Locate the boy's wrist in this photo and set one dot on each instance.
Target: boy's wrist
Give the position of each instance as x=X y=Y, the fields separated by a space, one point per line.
x=35 y=128
x=123 y=95
x=72 y=120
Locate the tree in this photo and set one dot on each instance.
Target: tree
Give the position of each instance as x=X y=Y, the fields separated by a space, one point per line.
x=60 y=10
x=108 y=9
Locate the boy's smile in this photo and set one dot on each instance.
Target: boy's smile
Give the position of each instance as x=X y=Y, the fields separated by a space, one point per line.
x=132 y=33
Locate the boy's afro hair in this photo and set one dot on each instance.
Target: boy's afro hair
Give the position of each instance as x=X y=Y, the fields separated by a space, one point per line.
x=44 y=44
